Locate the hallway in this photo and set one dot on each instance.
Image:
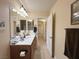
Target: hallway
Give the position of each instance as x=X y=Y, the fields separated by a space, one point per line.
x=42 y=51
x=12 y=12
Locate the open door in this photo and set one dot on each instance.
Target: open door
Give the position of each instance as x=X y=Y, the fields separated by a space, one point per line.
x=53 y=34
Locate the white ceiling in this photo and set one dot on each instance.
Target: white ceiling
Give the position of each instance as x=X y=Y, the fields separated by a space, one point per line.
x=38 y=5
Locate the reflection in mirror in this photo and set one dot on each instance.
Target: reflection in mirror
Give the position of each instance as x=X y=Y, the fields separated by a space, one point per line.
x=19 y=20
x=30 y=24
x=18 y=23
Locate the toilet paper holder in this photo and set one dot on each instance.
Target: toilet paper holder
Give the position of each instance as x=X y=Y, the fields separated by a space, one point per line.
x=23 y=53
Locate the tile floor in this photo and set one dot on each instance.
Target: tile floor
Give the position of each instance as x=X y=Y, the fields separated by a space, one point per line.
x=41 y=51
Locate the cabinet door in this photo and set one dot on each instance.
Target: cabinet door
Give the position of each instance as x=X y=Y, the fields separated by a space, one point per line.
x=15 y=52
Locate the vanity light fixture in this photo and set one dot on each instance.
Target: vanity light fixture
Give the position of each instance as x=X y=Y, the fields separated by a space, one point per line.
x=21 y=11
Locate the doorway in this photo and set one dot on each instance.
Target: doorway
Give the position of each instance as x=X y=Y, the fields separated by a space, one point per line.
x=42 y=31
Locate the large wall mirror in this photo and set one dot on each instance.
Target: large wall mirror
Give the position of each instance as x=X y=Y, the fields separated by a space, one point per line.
x=19 y=22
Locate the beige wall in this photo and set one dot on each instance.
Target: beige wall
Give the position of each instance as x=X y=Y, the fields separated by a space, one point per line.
x=62 y=8
x=4 y=34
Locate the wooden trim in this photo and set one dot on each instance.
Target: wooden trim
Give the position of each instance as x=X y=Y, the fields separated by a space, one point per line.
x=53 y=34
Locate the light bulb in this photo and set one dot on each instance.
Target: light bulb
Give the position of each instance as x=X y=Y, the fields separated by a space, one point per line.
x=14 y=10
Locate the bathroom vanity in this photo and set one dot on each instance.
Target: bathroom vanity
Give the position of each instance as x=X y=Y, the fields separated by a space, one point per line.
x=23 y=39
x=24 y=49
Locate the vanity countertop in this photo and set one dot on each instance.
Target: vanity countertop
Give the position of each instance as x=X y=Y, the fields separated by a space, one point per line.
x=26 y=41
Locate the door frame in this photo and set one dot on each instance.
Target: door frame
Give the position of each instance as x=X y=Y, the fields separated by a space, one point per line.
x=53 y=34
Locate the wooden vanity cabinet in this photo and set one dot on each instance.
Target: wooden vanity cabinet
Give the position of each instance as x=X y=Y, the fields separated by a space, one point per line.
x=16 y=49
